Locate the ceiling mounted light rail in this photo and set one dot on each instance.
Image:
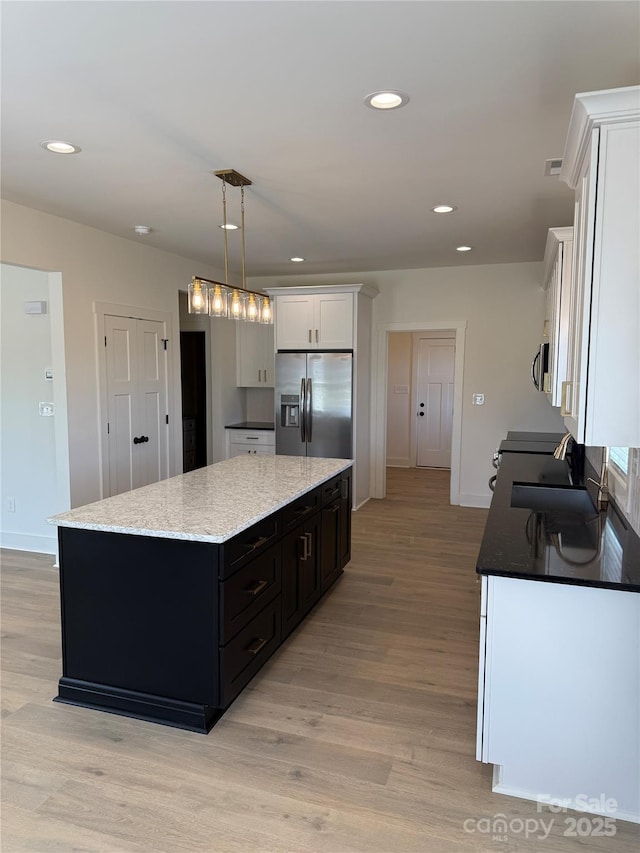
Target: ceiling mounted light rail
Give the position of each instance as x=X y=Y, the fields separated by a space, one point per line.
x=225 y=300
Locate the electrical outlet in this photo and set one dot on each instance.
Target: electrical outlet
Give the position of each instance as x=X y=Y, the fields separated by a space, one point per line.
x=45 y=410
x=11 y=504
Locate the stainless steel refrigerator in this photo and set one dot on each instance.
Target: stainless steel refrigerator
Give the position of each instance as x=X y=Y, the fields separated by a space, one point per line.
x=314 y=404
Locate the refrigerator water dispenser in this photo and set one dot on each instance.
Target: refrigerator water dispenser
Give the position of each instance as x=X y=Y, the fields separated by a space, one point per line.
x=290 y=410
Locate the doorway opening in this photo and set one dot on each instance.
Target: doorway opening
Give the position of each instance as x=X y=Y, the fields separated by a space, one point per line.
x=193 y=361
x=420 y=386
x=396 y=405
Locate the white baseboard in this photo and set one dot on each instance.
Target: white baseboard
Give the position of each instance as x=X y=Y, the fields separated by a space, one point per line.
x=361 y=504
x=482 y=501
x=29 y=542
x=397 y=462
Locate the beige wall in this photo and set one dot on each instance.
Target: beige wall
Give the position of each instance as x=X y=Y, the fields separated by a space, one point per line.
x=97 y=266
x=502 y=305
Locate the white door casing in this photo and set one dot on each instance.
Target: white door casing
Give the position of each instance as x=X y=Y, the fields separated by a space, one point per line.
x=434 y=364
x=134 y=401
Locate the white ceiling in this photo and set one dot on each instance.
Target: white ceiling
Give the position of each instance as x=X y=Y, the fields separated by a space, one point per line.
x=160 y=94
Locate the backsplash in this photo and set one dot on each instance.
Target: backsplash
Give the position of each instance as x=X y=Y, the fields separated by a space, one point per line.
x=627 y=499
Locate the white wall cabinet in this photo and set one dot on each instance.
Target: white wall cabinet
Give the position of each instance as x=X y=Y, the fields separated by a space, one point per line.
x=558 y=664
x=255 y=442
x=255 y=358
x=557 y=281
x=600 y=396
x=314 y=321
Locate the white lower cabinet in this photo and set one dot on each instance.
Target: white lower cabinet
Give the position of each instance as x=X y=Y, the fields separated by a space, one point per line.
x=257 y=442
x=559 y=692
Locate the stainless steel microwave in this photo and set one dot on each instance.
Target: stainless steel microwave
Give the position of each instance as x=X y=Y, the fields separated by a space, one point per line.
x=540 y=367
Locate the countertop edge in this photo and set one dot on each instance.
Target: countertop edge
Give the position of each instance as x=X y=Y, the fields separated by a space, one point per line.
x=57 y=521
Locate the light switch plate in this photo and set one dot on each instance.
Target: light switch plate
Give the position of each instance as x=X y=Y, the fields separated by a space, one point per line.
x=48 y=374
x=478 y=399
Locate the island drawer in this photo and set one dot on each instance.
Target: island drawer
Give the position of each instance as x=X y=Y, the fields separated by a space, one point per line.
x=245 y=593
x=301 y=509
x=332 y=489
x=239 y=550
x=243 y=656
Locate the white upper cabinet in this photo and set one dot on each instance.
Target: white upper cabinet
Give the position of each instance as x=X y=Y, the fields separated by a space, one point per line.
x=557 y=281
x=600 y=395
x=314 y=321
x=255 y=357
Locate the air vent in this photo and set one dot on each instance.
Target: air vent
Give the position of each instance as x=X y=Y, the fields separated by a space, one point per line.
x=552 y=167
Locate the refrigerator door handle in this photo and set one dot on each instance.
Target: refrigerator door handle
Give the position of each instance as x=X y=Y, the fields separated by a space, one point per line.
x=303 y=404
x=309 y=412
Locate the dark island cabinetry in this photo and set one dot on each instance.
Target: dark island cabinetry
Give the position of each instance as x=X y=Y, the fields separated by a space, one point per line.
x=172 y=630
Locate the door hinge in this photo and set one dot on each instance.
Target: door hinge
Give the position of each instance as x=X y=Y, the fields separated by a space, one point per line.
x=165 y=341
x=107 y=428
x=105 y=340
x=166 y=419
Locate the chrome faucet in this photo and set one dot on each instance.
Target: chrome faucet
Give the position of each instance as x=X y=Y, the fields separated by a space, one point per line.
x=561 y=450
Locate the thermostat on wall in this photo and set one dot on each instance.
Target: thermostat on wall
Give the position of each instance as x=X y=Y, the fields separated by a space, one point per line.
x=37 y=307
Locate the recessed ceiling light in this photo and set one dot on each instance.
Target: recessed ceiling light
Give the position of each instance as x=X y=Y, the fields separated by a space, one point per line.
x=297 y=260
x=389 y=99
x=464 y=248
x=229 y=226
x=443 y=208
x=142 y=229
x=57 y=146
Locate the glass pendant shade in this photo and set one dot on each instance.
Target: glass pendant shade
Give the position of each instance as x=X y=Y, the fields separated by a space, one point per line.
x=253 y=308
x=218 y=299
x=198 y=297
x=237 y=308
x=266 y=315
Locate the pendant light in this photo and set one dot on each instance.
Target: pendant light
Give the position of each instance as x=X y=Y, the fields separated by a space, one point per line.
x=225 y=300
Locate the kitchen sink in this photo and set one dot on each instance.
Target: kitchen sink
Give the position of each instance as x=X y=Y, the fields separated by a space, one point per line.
x=543 y=497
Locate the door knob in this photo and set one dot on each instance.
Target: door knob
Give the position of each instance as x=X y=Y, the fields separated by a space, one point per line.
x=421 y=414
x=422 y=405
x=137 y=440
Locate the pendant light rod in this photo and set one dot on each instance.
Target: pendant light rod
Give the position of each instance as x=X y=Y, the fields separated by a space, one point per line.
x=229 y=286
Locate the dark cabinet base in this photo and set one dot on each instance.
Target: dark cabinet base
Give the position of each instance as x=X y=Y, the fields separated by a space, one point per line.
x=140 y=706
x=171 y=630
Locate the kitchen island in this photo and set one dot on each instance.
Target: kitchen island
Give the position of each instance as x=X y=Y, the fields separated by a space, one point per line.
x=559 y=675
x=174 y=595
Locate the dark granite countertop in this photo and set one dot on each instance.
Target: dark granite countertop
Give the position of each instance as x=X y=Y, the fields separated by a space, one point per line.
x=599 y=550
x=251 y=425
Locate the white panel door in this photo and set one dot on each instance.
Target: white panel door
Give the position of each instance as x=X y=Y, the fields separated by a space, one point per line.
x=434 y=410
x=137 y=432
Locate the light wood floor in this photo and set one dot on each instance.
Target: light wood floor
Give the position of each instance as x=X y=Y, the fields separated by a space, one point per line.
x=358 y=735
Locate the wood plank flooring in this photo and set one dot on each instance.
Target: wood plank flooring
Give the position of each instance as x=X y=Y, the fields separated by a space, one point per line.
x=357 y=737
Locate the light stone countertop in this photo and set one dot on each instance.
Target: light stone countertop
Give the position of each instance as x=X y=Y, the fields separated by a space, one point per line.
x=209 y=504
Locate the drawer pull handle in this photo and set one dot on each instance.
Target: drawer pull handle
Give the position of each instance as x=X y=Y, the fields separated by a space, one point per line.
x=257 y=587
x=302 y=550
x=252 y=437
x=259 y=542
x=257 y=646
x=344 y=489
x=334 y=508
x=303 y=510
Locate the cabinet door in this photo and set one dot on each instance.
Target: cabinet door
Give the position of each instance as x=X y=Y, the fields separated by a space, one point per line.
x=300 y=573
x=249 y=355
x=345 y=519
x=574 y=388
x=268 y=357
x=333 y=327
x=294 y=319
x=331 y=546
